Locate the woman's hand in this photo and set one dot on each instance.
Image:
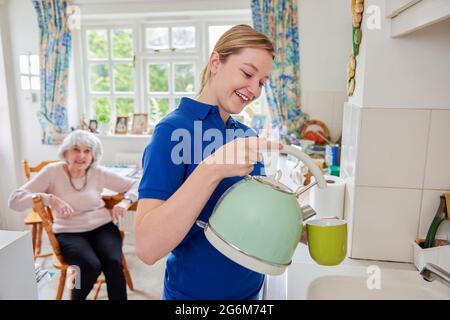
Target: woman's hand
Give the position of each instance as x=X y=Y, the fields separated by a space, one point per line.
x=119 y=209
x=237 y=157
x=60 y=207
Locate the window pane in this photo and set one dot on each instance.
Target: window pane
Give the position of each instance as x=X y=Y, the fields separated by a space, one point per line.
x=99 y=75
x=184 y=77
x=24 y=64
x=122 y=43
x=123 y=77
x=158 y=77
x=25 y=82
x=35 y=83
x=34 y=64
x=215 y=32
x=159 y=107
x=183 y=37
x=157 y=38
x=124 y=106
x=102 y=109
x=97 y=44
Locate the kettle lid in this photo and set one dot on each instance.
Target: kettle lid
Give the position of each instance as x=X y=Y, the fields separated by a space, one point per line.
x=272 y=182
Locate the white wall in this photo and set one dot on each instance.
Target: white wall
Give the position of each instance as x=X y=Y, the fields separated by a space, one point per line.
x=24 y=39
x=396 y=130
x=102 y=7
x=325 y=37
x=411 y=71
x=9 y=151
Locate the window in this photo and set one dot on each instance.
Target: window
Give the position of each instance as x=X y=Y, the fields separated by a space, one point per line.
x=110 y=70
x=146 y=67
x=171 y=57
x=29 y=72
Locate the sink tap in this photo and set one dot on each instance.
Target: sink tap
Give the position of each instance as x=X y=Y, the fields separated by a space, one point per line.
x=432 y=272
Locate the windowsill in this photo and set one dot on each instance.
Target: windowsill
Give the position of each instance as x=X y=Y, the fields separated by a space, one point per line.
x=124 y=136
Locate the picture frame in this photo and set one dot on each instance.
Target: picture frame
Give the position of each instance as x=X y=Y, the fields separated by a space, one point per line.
x=258 y=122
x=140 y=122
x=93 y=126
x=121 y=126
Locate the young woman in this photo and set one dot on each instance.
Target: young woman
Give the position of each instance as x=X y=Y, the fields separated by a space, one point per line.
x=183 y=180
x=83 y=226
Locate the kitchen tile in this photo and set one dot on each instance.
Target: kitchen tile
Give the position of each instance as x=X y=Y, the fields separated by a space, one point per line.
x=430 y=204
x=437 y=172
x=349 y=208
x=385 y=222
x=392 y=147
x=350 y=138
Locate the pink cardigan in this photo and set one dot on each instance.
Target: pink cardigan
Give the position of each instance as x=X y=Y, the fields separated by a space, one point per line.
x=88 y=205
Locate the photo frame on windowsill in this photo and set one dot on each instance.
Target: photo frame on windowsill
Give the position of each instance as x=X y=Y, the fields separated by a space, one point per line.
x=93 y=126
x=140 y=122
x=121 y=125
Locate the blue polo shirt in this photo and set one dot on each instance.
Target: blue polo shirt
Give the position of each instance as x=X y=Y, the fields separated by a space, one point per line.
x=195 y=269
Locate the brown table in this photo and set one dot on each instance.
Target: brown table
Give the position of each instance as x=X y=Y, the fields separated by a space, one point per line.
x=112 y=198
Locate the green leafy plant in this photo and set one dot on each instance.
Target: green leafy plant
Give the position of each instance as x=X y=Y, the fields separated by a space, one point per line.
x=103 y=114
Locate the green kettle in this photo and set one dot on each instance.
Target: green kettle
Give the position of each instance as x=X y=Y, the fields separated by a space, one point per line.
x=258 y=221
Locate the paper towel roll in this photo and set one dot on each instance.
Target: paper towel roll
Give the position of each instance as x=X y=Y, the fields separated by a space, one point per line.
x=329 y=201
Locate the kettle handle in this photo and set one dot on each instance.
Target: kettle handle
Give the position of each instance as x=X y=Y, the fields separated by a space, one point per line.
x=300 y=155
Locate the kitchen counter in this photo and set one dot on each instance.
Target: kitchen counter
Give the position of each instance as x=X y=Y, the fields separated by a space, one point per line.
x=352 y=279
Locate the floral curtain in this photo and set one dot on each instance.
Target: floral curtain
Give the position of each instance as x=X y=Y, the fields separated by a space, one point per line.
x=278 y=20
x=55 y=47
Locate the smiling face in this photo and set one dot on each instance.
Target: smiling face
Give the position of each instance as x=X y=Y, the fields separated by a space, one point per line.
x=238 y=80
x=79 y=157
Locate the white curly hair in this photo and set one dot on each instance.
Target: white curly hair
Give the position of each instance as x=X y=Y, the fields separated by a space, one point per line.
x=82 y=137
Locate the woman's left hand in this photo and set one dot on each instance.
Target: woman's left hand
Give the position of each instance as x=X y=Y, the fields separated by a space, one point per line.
x=119 y=209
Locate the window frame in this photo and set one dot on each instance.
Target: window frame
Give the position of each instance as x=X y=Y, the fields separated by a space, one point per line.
x=142 y=56
x=112 y=94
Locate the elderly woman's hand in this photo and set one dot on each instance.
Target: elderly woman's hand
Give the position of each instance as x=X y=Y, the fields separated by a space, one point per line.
x=60 y=207
x=120 y=209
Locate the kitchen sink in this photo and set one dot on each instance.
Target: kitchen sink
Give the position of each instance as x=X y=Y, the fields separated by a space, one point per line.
x=353 y=279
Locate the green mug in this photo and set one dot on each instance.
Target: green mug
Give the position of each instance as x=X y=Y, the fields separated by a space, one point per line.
x=327 y=240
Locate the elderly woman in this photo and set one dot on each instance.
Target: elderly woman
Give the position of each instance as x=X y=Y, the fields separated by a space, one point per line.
x=83 y=226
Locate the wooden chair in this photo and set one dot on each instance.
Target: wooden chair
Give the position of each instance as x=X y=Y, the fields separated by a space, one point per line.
x=33 y=218
x=46 y=216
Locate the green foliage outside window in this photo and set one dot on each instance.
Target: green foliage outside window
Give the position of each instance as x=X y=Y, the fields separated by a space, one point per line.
x=123 y=77
x=122 y=43
x=159 y=107
x=124 y=106
x=102 y=107
x=158 y=78
x=97 y=44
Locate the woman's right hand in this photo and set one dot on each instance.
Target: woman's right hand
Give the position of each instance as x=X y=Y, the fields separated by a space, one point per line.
x=237 y=157
x=60 y=207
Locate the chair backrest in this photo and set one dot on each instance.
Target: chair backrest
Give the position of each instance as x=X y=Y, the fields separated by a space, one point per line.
x=47 y=220
x=28 y=170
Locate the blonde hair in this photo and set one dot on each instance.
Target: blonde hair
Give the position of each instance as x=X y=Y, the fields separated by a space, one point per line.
x=232 y=42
